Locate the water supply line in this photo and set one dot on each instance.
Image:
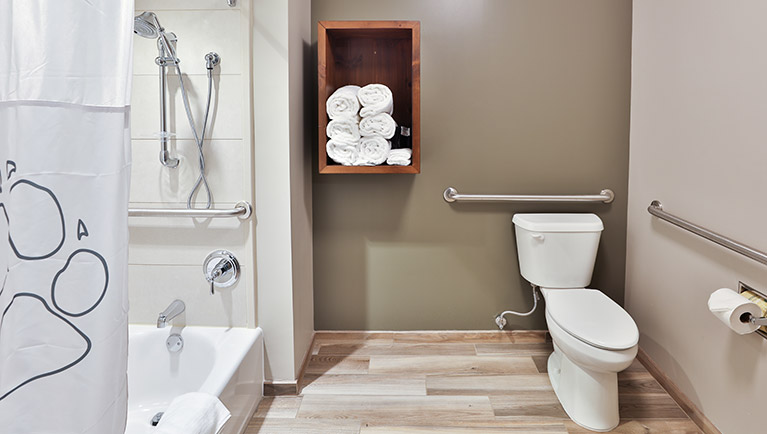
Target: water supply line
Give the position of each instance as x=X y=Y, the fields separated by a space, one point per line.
x=500 y=321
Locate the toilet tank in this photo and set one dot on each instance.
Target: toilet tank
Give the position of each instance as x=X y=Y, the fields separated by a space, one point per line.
x=557 y=250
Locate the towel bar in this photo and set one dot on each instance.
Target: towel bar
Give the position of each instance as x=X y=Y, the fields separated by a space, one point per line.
x=241 y=210
x=451 y=195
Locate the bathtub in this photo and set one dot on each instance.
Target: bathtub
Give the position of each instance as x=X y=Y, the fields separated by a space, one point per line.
x=225 y=362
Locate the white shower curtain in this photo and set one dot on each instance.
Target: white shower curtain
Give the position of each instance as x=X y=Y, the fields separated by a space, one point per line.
x=65 y=68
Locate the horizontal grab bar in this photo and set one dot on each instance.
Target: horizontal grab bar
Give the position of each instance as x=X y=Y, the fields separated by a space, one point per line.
x=241 y=210
x=656 y=209
x=451 y=195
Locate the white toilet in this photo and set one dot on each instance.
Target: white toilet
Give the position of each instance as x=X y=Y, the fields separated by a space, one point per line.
x=594 y=338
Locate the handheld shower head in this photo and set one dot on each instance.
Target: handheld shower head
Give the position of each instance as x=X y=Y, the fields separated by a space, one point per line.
x=146 y=25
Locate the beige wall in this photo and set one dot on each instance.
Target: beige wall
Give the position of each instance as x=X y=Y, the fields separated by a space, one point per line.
x=518 y=97
x=698 y=135
x=283 y=214
x=166 y=254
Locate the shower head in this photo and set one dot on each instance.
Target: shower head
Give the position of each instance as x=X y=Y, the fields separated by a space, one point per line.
x=147 y=25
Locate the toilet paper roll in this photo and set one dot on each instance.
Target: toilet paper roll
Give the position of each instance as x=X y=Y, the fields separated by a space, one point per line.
x=729 y=306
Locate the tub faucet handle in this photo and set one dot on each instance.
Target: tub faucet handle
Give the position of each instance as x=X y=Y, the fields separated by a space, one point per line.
x=221 y=269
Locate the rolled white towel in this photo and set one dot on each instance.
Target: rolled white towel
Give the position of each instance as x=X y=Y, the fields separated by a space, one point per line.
x=345 y=130
x=373 y=151
x=343 y=103
x=381 y=124
x=193 y=413
x=399 y=157
x=375 y=98
x=342 y=152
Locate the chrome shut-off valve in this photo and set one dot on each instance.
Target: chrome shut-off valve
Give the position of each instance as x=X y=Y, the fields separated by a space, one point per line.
x=221 y=269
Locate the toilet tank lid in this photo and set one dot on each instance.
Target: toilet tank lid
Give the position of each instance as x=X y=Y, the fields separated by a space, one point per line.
x=560 y=222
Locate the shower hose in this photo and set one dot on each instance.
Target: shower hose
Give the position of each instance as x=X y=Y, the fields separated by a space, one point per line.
x=202 y=181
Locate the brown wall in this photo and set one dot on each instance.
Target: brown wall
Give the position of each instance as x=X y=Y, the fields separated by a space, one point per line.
x=518 y=97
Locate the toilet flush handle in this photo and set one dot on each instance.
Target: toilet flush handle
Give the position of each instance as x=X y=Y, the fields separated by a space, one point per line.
x=537 y=236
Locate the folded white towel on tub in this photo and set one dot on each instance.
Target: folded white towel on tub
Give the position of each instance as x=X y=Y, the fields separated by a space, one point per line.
x=343 y=103
x=381 y=124
x=375 y=98
x=373 y=151
x=399 y=157
x=193 y=413
x=345 y=130
x=342 y=152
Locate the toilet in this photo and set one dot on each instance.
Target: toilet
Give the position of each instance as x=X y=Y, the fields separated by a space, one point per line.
x=594 y=338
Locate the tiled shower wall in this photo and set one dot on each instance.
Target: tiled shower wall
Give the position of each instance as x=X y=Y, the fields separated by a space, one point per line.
x=166 y=254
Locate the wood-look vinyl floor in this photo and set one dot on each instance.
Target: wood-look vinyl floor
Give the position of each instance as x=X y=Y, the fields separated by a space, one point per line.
x=462 y=383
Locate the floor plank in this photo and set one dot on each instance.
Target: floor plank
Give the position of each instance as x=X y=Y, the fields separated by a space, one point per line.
x=278 y=407
x=366 y=384
x=649 y=406
x=541 y=405
x=397 y=349
x=541 y=363
x=487 y=384
x=638 y=382
x=521 y=429
x=451 y=365
x=644 y=426
x=337 y=365
x=473 y=337
x=527 y=349
x=302 y=426
x=423 y=410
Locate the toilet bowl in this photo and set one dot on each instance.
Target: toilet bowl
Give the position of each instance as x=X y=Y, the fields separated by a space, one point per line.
x=594 y=338
x=588 y=354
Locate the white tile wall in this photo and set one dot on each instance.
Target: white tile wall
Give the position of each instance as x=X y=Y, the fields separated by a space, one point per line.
x=226 y=117
x=166 y=254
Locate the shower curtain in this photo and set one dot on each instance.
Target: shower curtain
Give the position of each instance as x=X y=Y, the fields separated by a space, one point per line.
x=65 y=68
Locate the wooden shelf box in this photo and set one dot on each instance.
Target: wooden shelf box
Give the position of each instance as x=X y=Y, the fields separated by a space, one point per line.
x=365 y=52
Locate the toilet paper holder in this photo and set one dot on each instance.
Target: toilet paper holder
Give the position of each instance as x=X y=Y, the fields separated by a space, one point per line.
x=747 y=317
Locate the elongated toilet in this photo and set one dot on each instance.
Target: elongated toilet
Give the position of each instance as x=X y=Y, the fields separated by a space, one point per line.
x=594 y=338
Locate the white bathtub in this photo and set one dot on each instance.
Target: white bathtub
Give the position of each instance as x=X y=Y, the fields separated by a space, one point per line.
x=225 y=362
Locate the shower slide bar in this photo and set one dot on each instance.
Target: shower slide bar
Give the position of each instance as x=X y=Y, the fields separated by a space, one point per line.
x=241 y=210
x=656 y=209
x=451 y=195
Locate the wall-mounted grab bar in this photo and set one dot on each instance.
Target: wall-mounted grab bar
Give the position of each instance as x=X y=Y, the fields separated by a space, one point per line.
x=451 y=195
x=241 y=210
x=656 y=209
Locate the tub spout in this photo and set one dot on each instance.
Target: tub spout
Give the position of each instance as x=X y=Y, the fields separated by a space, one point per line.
x=173 y=310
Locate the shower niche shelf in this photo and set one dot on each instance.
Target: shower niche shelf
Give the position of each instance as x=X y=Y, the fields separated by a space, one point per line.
x=365 y=52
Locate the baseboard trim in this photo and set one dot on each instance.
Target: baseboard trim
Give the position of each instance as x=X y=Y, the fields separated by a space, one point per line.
x=281 y=388
x=693 y=412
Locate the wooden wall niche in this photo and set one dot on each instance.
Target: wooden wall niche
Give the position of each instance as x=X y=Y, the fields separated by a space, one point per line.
x=365 y=52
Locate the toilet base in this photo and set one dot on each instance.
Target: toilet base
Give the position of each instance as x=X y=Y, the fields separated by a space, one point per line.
x=589 y=398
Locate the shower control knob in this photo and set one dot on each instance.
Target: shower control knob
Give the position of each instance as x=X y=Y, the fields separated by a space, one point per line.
x=221 y=269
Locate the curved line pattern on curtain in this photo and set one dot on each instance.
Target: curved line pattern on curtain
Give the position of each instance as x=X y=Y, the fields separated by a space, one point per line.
x=65 y=69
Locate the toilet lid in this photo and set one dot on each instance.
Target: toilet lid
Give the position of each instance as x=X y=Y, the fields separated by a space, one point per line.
x=592 y=317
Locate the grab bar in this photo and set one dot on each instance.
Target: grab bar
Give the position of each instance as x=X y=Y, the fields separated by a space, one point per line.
x=656 y=209
x=451 y=195
x=241 y=210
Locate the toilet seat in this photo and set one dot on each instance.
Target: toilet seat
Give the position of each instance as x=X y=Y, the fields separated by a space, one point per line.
x=592 y=317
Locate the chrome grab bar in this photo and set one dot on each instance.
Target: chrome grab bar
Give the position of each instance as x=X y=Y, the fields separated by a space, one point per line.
x=656 y=209
x=451 y=195
x=241 y=210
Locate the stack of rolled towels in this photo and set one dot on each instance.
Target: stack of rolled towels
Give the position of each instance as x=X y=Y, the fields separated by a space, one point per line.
x=361 y=127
